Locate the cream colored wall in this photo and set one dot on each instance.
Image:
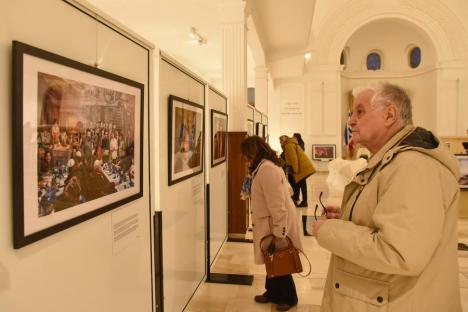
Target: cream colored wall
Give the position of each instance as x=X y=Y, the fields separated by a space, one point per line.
x=317 y=116
x=75 y=269
x=182 y=204
x=393 y=38
x=218 y=182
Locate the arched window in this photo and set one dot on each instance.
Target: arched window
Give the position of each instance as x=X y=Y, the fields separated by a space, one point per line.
x=374 y=61
x=415 y=57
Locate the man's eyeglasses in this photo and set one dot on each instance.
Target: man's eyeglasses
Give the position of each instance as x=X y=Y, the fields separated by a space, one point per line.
x=316 y=206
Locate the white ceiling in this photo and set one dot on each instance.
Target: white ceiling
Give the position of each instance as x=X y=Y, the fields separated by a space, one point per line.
x=283 y=29
x=167 y=24
x=283 y=26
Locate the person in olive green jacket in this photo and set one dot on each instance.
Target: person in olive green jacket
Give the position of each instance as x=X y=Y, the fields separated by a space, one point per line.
x=295 y=157
x=394 y=240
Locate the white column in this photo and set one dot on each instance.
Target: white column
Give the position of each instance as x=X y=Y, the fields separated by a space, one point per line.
x=234 y=63
x=261 y=89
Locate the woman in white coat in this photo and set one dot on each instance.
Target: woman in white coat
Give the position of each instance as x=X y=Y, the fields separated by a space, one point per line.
x=273 y=212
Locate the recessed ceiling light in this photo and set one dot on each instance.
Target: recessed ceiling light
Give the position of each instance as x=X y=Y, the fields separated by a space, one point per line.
x=307 y=55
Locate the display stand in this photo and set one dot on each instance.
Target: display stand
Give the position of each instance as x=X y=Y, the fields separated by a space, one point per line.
x=220 y=278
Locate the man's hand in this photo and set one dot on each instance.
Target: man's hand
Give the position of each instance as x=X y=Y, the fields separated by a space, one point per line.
x=333 y=212
x=316 y=226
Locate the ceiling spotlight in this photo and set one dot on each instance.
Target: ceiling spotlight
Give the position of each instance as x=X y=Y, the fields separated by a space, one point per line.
x=194 y=34
x=307 y=55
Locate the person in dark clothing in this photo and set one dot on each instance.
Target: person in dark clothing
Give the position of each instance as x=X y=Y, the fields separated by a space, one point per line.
x=301 y=186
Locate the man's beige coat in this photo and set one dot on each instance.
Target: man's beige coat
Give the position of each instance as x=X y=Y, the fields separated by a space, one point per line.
x=273 y=211
x=395 y=248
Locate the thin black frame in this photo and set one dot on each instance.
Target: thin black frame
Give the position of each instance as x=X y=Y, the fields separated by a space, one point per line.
x=257 y=129
x=172 y=98
x=214 y=163
x=333 y=146
x=19 y=50
x=463 y=158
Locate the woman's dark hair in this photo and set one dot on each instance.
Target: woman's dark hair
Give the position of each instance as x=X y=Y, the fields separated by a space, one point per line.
x=299 y=140
x=255 y=149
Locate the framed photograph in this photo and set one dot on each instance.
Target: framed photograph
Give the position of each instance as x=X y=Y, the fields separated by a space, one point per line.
x=219 y=123
x=250 y=127
x=265 y=132
x=77 y=142
x=463 y=181
x=323 y=152
x=259 y=129
x=185 y=139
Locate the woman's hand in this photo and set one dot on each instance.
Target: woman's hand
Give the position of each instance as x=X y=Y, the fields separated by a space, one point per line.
x=333 y=212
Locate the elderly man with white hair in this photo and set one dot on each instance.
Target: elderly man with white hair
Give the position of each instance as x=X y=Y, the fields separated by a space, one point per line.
x=394 y=239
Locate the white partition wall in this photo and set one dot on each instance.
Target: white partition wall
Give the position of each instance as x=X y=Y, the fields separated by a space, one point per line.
x=80 y=268
x=218 y=185
x=183 y=203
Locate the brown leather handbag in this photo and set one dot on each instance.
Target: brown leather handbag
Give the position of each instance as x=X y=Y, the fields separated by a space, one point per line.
x=282 y=260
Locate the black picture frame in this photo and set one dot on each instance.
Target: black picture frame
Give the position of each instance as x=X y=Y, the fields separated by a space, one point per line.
x=219 y=128
x=259 y=129
x=323 y=152
x=265 y=132
x=463 y=179
x=185 y=150
x=57 y=181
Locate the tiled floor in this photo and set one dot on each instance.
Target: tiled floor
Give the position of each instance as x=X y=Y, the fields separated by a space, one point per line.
x=237 y=258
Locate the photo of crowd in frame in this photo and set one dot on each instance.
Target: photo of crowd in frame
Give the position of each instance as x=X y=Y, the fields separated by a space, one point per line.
x=78 y=142
x=323 y=152
x=185 y=139
x=219 y=126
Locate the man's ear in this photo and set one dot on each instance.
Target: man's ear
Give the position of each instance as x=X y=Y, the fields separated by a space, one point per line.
x=391 y=116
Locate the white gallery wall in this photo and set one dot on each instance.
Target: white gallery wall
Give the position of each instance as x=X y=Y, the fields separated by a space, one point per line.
x=183 y=203
x=81 y=268
x=217 y=180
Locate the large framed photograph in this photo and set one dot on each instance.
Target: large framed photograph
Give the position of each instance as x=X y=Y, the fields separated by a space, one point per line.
x=463 y=181
x=185 y=139
x=219 y=125
x=323 y=152
x=77 y=142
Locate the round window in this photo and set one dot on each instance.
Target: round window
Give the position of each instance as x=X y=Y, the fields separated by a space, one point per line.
x=373 y=61
x=415 y=57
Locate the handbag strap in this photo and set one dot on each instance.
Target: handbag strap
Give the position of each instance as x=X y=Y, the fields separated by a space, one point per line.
x=310 y=265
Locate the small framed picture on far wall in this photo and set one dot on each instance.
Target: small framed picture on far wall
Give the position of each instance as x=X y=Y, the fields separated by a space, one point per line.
x=323 y=152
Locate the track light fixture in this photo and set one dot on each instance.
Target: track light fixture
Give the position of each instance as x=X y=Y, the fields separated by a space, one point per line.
x=194 y=34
